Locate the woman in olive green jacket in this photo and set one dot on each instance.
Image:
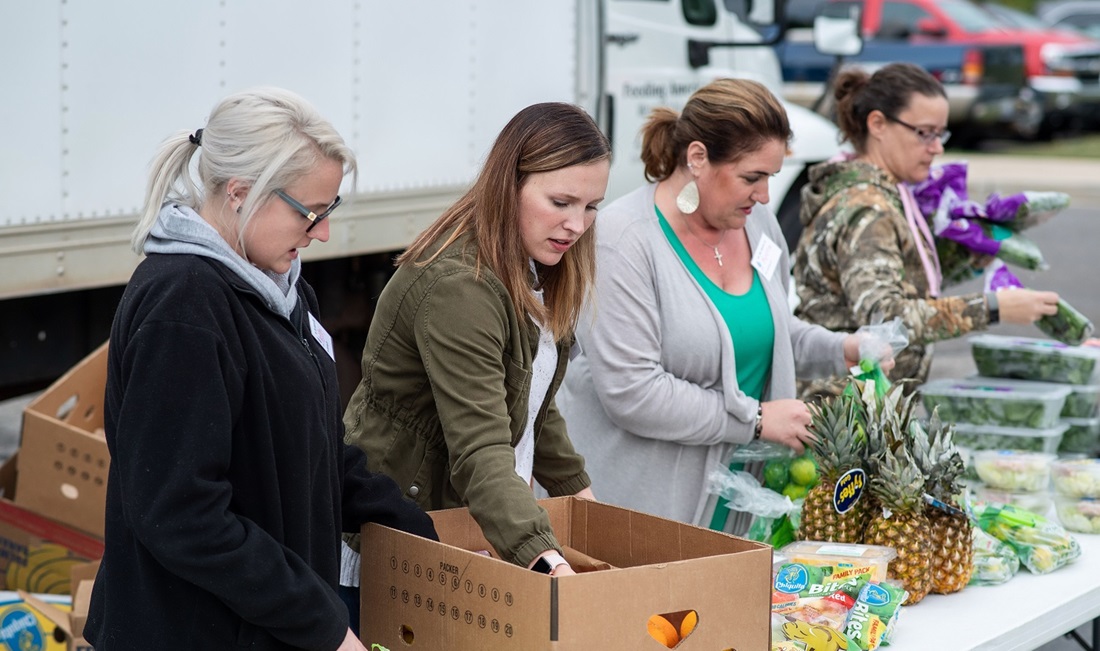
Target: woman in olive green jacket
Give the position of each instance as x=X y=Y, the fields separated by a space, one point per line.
x=471 y=338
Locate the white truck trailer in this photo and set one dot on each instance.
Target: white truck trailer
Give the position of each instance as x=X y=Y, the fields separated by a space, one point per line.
x=419 y=88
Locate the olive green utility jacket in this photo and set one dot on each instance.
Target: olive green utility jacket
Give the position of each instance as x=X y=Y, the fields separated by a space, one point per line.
x=443 y=401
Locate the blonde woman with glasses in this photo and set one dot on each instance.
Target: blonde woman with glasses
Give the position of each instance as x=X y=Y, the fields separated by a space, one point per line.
x=230 y=483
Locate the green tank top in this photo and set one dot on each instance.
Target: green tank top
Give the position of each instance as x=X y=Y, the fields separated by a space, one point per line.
x=748 y=317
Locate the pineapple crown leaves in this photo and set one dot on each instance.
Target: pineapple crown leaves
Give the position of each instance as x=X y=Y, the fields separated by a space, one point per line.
x=899 y=484
x=840 y=441
x=944 y=465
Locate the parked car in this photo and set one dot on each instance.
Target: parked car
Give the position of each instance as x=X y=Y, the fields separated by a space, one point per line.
x=1080 y=15
x=986 y=84
x=964 y=22
x=1070 y=64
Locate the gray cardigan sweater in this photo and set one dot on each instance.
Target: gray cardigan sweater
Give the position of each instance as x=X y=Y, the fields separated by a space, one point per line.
x=652 y=400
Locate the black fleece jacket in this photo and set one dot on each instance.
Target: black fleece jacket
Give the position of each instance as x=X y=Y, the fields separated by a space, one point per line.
x=229 y=482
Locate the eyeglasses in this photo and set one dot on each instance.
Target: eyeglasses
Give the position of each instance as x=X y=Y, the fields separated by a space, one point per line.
x=313 y=217
x=924 y=135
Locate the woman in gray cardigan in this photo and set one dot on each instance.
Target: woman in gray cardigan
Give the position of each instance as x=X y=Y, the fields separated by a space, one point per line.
x=689 y=348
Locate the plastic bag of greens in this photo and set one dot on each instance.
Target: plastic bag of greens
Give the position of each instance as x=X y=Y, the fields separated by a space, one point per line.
x=877 y=342
x=994 y=560
x=741 y=491
x=1041 y=545
x=1068 y=325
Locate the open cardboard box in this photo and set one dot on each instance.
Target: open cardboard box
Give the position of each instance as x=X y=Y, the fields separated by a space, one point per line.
x=423 y=594
x=37 y=554
x=71 y=622
x=63 y=454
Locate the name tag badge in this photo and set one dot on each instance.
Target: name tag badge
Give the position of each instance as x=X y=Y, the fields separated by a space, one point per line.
x=766 y=256
x=322 y=336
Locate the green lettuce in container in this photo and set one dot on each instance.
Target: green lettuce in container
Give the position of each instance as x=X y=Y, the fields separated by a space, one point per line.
x=1031 y=358
x=995 y=401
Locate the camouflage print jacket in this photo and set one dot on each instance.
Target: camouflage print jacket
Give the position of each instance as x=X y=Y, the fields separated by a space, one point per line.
x=857 y=259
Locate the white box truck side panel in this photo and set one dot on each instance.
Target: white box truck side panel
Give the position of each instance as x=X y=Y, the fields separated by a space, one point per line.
x=30 y=179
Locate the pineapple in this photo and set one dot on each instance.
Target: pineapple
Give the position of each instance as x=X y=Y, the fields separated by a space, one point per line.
x=838 y=449
x=953 y=562
x=900 y=521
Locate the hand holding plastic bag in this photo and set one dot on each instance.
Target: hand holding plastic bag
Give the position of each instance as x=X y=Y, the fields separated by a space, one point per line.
x=878 y=343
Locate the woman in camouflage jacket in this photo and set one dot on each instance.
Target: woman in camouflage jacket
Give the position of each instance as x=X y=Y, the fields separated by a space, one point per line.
x=866 y=251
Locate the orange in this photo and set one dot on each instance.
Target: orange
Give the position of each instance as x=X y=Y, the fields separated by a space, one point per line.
x=663 y=631
x=688 y=625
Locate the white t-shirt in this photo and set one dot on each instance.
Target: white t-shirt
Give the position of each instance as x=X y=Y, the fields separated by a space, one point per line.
x=542 y=374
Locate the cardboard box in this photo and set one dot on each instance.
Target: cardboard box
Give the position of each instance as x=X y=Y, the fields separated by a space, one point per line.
x=69 y=621
x=38 y=554
x=447 y=596
x=63 y=453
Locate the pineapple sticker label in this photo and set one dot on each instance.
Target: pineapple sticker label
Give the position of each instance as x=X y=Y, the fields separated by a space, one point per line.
x=849 y=488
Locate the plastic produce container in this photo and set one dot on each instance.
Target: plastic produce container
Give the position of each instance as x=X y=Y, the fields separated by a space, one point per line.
x=1081 y=401
x=841 y=555
x=1082 y=435
x=995 y=437
x=1029 y=358
x=996 y=401
x=1011 y=470
x=1039 y=502
x=1076 y=478
x=1082 y=515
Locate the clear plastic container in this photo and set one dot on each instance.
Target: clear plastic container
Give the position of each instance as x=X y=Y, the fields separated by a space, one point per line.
x=841 y=555
x=1038 y=502
x=1076 y=478
x=994 y=437
x=1012 y=470
x=1029 y=358
x=1082 y=515
x=1081 y=401
x=996 y=401
x=1082 y=436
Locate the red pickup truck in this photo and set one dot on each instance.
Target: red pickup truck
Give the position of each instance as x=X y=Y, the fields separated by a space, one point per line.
x=1056 y=88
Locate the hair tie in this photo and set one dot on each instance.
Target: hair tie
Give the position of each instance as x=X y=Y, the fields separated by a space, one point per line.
x=196 y=138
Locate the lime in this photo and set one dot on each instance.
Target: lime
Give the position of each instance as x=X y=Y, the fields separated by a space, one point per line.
x=776 y=474
x=794 y=491
x=803 y=471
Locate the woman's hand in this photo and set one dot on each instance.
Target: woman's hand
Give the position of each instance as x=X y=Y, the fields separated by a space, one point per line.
x=586 y=494
x=786 y=422
x=852 y=356
x=351 y=643
x=1025 y=306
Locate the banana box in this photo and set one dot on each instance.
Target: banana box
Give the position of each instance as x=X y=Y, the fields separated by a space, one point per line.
x=38 y=554
x=25 y=628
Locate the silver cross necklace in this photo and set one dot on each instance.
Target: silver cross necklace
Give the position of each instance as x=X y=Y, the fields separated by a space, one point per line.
x=717 y=254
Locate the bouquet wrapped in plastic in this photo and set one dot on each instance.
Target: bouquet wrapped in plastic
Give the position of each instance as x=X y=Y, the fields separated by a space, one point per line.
x=989 y=228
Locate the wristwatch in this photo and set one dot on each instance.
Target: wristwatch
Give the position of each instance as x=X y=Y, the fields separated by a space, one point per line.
x=994 y=308
x=549 y=562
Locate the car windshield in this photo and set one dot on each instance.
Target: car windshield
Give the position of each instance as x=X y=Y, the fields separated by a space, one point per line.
x=1015 y=18
x=969 y=17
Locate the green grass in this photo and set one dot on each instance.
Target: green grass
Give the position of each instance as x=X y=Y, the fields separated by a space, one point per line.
x=1068 y=146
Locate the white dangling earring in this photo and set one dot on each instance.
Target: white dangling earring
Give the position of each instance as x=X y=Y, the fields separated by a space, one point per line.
x=688 y=199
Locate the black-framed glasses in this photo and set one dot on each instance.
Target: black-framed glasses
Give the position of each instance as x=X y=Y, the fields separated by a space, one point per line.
x=313 y=217
x=926 y=136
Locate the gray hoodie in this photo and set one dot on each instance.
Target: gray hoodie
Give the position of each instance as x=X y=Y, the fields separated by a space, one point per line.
x=179 y=229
